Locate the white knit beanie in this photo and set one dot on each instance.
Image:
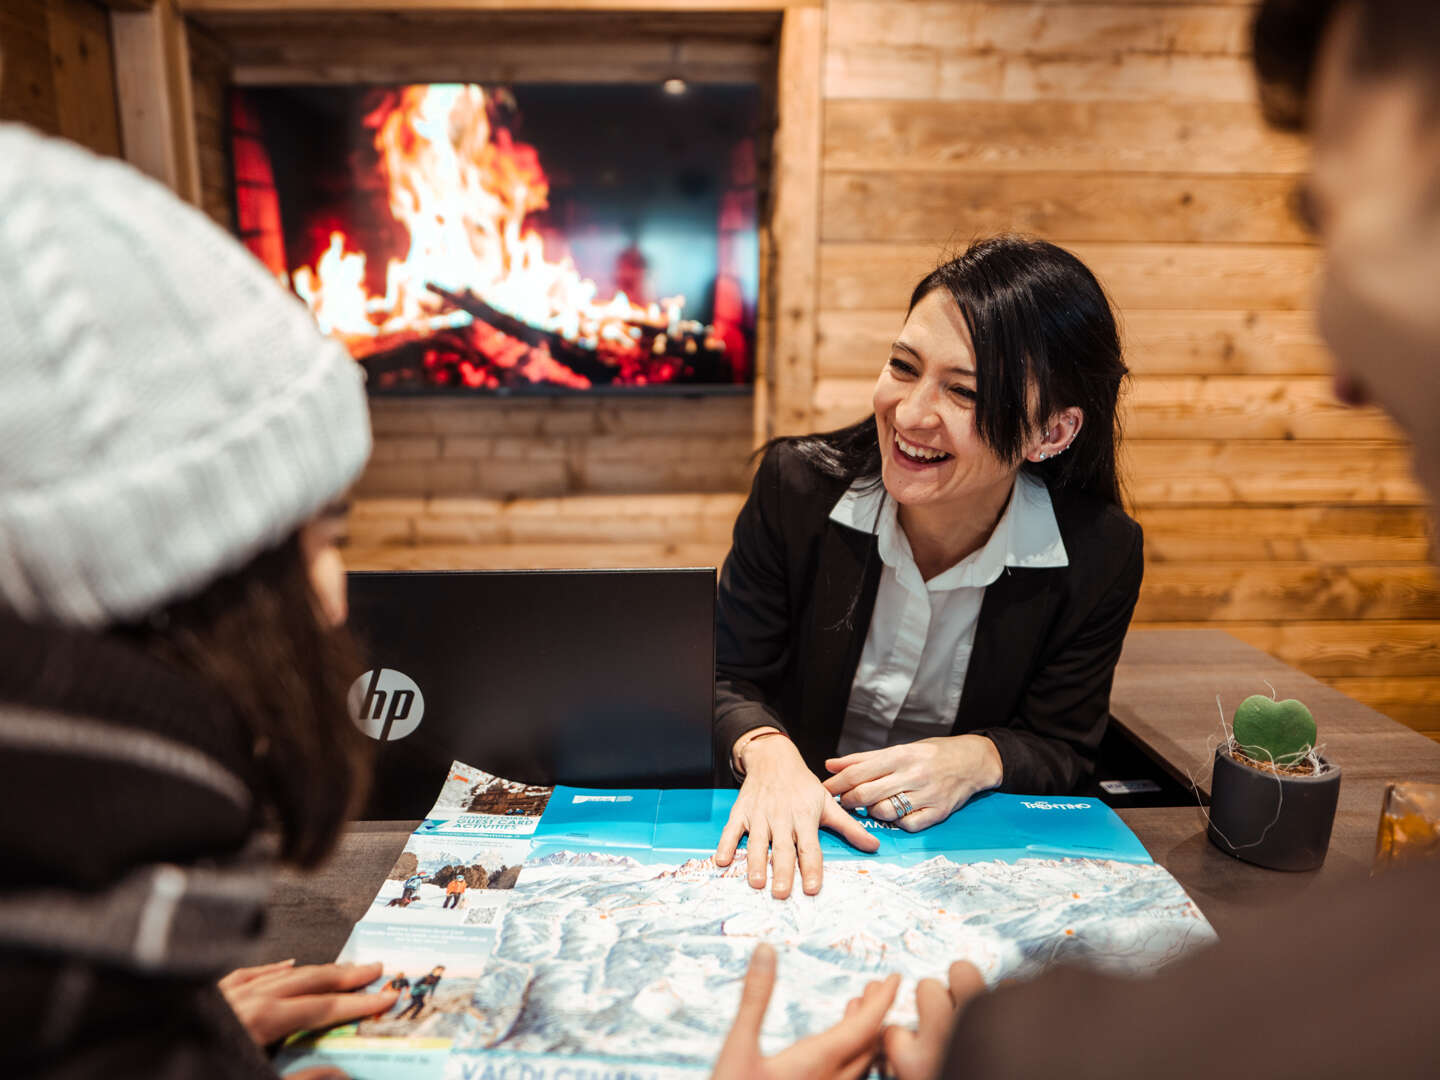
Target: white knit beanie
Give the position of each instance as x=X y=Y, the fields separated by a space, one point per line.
x=167 y=410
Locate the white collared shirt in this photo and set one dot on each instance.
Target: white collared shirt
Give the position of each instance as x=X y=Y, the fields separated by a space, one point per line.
x=917 y=649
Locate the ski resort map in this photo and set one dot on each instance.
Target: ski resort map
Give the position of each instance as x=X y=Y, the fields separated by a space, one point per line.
x=568 y=934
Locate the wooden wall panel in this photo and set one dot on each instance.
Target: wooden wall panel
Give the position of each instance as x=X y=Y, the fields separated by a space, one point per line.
x=1157 y=341
x=1203 y=277
x=1197 y=138
x=27 y=85
x=1325 y=533
x=1037 y=30
x=83 y=66
x=883 y=207
x=59 y=72
x=1174 y=407
x=1128 y=132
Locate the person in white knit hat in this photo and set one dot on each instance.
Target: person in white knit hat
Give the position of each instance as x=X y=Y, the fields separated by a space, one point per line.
x=176 y=441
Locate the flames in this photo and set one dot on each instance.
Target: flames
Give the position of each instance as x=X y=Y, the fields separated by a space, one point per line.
x=462 y=189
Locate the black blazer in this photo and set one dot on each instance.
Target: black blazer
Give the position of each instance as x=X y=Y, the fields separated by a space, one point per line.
x=798 y=590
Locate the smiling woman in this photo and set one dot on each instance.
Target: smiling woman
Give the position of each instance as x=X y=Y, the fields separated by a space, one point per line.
x=930 y=603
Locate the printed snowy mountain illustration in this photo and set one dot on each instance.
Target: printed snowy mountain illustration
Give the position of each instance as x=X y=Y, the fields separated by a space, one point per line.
x=628 y=956
x=622 y=947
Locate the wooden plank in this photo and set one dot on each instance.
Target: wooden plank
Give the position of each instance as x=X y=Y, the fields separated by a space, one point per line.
x=1334 y=649
x=1161 y=342
x=1221 y=473
x=879 y=277
x=1334 y=534
x=152 y=79
x=1057 y=136
x=934 y=208
x=1166 y=690
x=1204 y=407
x=535 y=556
x=575 y=519
x=855 y=344
x=252 y=7
x=316 y=61
x=555 y=417
x=1195 y=592
x=1247 y=407
x=263 y=35
x=27 y=84
x=1248 y=4
x=1223 y=343
x=210 y=78
x=84 y=73
x=793 y=225
x=923 y=73
x=1076 y=29
x=1414 y=702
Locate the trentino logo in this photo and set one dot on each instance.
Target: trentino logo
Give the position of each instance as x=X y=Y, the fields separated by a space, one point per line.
x=386 y=704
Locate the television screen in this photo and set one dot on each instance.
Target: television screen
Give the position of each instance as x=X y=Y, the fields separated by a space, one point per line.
x=464 y=238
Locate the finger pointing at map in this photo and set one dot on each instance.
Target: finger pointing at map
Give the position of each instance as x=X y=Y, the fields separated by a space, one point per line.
x=782 y=806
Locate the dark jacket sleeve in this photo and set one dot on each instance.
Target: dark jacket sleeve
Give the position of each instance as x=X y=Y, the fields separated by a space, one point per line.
x=1050 y=744
x=753 y=638
x=1342 y=982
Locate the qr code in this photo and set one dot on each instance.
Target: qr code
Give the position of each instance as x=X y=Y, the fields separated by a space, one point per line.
x=482 y=916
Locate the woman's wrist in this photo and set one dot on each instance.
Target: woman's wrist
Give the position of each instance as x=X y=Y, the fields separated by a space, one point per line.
x=992 y=770
x=746 y=741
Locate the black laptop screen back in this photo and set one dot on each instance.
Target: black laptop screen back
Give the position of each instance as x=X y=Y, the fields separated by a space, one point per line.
x=584 y=677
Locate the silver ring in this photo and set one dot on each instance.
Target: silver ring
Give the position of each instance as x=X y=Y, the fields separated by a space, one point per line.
x=901 y=804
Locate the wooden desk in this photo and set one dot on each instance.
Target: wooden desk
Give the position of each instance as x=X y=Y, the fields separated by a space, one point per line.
x=1164 y=698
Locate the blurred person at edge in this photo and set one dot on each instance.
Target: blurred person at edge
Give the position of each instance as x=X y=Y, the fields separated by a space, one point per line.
x=1344 y=982
x=176 y=440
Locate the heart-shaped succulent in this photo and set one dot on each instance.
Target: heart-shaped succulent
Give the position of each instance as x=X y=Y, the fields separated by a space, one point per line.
x=1281 y=732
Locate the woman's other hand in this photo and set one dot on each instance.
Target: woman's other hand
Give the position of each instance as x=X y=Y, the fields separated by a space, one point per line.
x=938 y=776
x=783 y=807
x=274 y=1001
x=843 y=1052
x=918 y=1054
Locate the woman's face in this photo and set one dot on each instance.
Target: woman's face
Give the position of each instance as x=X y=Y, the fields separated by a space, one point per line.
x=321 y=539
x=930 y=451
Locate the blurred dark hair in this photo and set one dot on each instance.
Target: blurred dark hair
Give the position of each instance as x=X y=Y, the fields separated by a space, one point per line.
x=1287 y=34
x=1040 y=323
x=258 y=635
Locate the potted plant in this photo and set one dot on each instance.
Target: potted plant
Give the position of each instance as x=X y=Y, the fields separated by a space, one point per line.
x=1273 y=795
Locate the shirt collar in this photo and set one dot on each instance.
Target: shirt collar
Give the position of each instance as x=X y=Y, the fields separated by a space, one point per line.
x=1027 y=534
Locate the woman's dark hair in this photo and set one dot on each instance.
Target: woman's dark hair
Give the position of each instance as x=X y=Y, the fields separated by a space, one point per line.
x=1044 y=337
x=257 y=634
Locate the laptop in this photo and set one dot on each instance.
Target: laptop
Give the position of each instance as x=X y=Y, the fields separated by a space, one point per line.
x=593 y=678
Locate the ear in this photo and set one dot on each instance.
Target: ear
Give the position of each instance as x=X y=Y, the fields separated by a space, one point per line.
x=1059 y=432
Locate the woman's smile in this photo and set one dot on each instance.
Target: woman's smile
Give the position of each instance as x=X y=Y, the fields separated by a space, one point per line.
x=915 y=456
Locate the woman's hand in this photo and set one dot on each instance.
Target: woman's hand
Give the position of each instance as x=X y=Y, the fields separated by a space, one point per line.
x=843 y=1052
x=918 y=1054
x=277 y=1000
x=938 y=776
x=782 y=806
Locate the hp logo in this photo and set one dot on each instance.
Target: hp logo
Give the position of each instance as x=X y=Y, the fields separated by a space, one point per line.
x=386 y=704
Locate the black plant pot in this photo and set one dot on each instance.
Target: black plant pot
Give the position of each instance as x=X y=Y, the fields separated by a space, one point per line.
x=1244 y=823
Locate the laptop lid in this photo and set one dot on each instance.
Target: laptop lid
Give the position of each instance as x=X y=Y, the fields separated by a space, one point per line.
x=583 y=677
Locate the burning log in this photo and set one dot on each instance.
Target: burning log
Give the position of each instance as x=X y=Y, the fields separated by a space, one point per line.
x=583 y=361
